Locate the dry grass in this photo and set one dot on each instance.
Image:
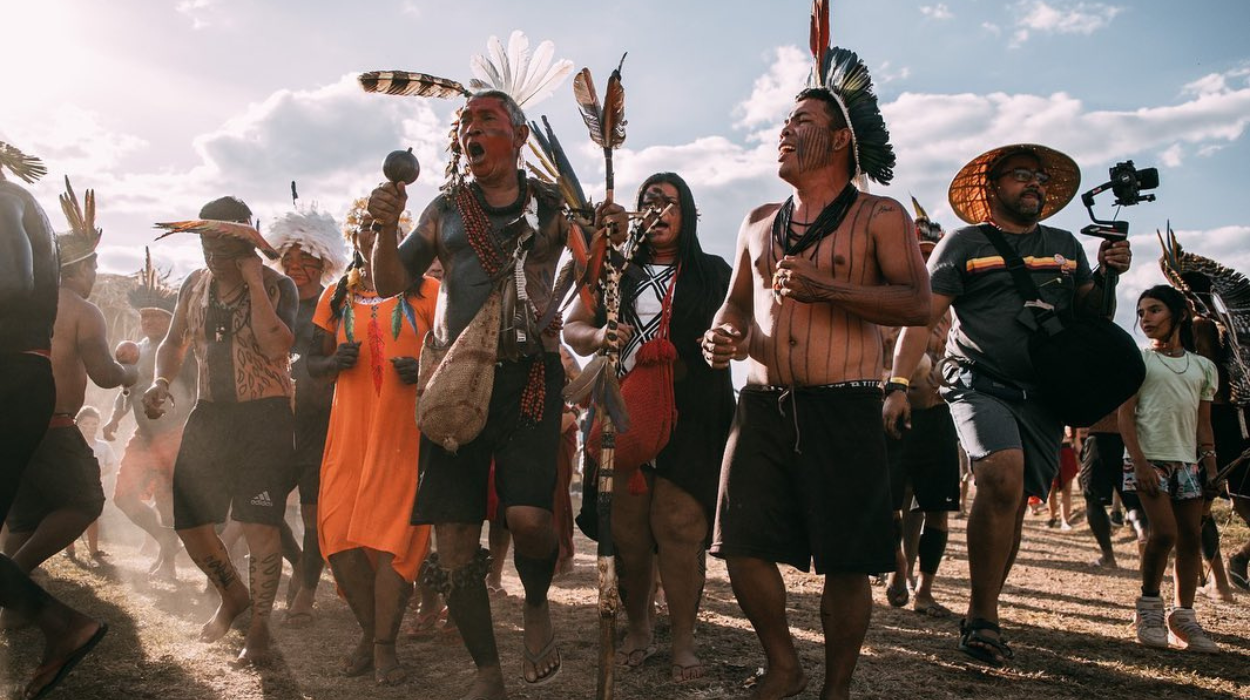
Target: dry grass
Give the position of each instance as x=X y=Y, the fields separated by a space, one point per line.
x=1067 y=622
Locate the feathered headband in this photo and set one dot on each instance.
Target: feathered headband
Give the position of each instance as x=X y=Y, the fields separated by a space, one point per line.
x=152 y=292
x=316 y=233
x=28 y=168
x=83 y=237
x=220 y=229
x=844 y=76
x=356 y=215
x=524 y=76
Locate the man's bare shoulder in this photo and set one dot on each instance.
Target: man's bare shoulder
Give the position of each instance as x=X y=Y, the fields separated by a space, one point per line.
x=762 y=212
x=880 y=204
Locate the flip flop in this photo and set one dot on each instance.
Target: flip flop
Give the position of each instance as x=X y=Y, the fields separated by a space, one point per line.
x=536 y=659
x=683 y=674
x=625 y=659
x=934 y=609
x=67 y=664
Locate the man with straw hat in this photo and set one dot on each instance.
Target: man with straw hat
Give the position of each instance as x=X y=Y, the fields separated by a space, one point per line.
x=1013 y=442
x=28 y=309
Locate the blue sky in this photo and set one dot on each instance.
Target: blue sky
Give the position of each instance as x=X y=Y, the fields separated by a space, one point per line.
x=161 y=106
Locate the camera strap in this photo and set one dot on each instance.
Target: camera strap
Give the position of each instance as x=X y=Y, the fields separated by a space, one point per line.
x=1043 y=314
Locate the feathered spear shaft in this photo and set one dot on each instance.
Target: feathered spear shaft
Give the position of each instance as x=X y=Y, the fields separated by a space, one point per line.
x=820 y=36
x=606 y=123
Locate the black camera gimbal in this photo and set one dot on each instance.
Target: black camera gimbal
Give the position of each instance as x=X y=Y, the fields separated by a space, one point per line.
x=1126 y=182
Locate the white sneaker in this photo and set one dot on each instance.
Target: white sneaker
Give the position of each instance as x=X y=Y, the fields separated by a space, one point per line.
x=1151 y=631
x=1185 y=632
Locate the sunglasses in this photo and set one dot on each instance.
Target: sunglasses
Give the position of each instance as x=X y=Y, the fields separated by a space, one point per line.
x=1026 y=175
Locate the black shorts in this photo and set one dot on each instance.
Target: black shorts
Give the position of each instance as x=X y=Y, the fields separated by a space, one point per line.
x=27 y=399
x=63 y=473
x=453 y=487
x=235 y=459
x=927 y=457
x=806 y=478
x=1229 y=444
x=1102 y=470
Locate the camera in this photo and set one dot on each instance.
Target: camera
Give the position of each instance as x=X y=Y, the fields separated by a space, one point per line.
x=1127 y=182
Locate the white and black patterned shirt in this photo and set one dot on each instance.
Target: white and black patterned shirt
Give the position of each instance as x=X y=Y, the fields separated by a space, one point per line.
x=644 y=313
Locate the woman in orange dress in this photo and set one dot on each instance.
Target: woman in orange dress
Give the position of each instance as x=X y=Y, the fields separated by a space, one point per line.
x=369 y=346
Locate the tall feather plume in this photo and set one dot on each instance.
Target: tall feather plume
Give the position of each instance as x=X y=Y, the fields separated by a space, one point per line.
x=408 y=84
x=564 y=175
x=847 y=78
x=588 y=105
x=820 y=35
x=81 y=218
x=920 y=212
x=27 y=168
x=527 y=77
x=614 y=110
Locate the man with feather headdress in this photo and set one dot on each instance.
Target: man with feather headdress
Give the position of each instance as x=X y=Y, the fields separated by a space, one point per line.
x=805 y=476
x=60 y=493
x=312 y=254
x=497 y=235
x=237 y=448
x=147 y=467
x=28 y=310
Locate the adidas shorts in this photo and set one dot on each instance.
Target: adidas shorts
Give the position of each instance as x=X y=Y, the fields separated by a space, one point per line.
x=235 y=459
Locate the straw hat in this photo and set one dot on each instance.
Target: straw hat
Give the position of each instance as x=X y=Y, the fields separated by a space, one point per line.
x=968 y=189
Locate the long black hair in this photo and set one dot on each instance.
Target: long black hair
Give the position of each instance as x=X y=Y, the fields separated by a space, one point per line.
x=1179 y=308
x=696 y=270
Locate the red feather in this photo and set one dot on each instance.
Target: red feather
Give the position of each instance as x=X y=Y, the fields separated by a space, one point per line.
x=820 y=35
x=598 y=253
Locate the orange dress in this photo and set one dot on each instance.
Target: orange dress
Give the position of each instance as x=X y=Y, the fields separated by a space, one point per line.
x=369 y=469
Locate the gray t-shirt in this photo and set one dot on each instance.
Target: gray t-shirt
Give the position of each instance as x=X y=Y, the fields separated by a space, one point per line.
x=987 y=329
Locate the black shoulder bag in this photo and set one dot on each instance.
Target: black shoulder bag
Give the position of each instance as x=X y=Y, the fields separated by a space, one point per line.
x=1086 y=366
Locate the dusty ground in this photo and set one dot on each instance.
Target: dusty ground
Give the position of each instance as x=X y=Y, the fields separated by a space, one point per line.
x=1068 y=624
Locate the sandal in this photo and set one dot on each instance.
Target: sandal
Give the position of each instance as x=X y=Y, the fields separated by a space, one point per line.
x=991 y=651
x=390 y=675
x=425 y=625
x=535 y=659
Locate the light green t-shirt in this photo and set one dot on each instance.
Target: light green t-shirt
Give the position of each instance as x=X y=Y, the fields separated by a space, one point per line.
x=1167 y=405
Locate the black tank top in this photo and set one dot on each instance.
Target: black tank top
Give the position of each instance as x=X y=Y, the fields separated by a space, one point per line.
x=26 y=324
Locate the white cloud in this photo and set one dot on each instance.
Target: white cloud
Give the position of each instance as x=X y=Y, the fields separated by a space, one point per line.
x=773 y=92
x=410 y=8
x=887 y=74
x=1062 y=18
x=992 y=28
x=938 y=11
x=202 y=13
x=1173 y=156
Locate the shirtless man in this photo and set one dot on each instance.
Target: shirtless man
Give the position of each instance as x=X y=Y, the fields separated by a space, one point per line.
x=805 y=474
x=237 y=447
x=147 y=466
x=60 y=493
x=28 y=309
x=924 y=463
x=453 y=490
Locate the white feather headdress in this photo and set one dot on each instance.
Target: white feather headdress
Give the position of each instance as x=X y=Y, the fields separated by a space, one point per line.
x=317 y=233
x=527 y=78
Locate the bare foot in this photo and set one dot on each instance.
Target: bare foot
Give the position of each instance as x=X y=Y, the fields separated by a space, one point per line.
x=257 y=651
x=487 y=685
x=777 y=684
x=360 y=660
x=1105 y=561
x=232 y=605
